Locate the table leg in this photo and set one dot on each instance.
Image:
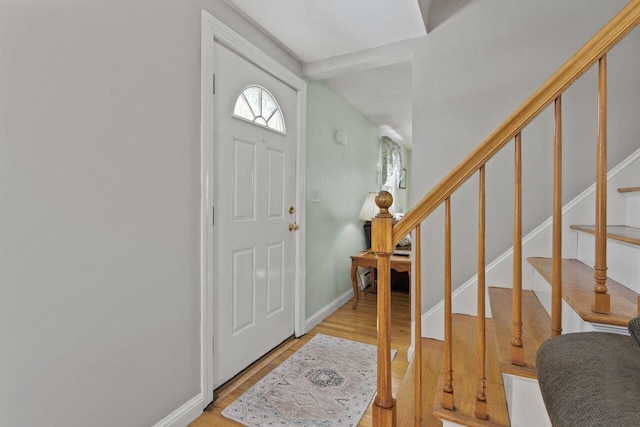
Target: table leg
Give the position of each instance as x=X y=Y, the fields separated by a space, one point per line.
x=374 y=280
x=354 y=268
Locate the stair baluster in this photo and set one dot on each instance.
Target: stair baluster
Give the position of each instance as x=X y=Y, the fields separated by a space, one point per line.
x=556 y=275
x=447 y=390
x=601 y=300
x=417 y=297
x=481 y=396
x=517 y=349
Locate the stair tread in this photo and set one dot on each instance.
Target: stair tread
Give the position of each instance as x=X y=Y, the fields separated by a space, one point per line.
x=577 y=290
x=628 y=189
x=405 y=398
x=621 y=233
x=535 y=330
x=465 y=374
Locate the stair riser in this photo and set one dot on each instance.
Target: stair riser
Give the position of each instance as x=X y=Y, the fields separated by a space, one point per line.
x=633 y=210
x=571 y=321
x=623 y=259
x=526 y=407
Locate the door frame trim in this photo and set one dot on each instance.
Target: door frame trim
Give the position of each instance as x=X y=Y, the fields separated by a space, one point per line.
x=214 y=31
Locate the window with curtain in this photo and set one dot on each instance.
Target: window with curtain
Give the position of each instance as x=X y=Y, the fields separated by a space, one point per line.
x=391 y=159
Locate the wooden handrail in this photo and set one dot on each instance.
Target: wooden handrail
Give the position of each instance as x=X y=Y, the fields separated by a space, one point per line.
x=605 y=39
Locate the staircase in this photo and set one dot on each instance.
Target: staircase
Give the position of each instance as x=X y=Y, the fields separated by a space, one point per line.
x=517 y=399
x=486 y=367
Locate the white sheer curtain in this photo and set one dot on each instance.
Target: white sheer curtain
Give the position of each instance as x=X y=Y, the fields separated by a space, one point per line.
x=391 y=159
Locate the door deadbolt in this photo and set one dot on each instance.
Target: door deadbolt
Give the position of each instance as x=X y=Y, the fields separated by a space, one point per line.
x=291 y=209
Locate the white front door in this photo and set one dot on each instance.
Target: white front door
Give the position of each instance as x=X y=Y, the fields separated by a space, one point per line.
x=254 y=201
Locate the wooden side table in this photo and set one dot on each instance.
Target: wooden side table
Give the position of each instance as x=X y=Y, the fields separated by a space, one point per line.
x=368 y=259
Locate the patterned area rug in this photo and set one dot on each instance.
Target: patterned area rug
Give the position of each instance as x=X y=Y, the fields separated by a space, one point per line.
x=327 y=382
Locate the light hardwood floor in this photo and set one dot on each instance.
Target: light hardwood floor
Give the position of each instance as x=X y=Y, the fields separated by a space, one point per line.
x=355 y=324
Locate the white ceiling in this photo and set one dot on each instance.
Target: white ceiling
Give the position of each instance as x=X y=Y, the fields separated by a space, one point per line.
x=315 y=30
x=331 y=35
x=382 y=94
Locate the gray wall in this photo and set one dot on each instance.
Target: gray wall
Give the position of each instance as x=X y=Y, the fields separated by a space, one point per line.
x=469 y=74
x=343 y=175
x=100 y=206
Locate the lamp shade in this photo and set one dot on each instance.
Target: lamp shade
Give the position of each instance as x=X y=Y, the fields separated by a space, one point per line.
x=369 y=208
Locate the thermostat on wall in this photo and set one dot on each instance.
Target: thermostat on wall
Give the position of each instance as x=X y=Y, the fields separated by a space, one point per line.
x=341 y=137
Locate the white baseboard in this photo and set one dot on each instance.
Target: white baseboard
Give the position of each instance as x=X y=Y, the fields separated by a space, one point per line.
x=327 y=310
x=185 y=414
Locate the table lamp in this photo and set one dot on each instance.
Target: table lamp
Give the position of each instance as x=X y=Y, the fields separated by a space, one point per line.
x=368 y=211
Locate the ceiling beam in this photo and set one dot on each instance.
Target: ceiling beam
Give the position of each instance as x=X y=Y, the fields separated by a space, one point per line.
x=392 y=53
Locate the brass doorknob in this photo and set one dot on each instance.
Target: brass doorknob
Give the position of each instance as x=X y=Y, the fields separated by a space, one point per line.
x=293 y=226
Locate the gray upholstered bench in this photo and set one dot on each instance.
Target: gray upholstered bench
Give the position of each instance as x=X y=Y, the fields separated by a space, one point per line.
x=591 y=379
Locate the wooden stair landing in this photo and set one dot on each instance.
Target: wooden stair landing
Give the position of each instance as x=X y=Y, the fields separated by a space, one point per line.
x=536 y=329
x=577 y=289
x=465 y=378
x=621 y=233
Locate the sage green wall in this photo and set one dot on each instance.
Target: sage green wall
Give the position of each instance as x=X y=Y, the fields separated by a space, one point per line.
x=342 y=175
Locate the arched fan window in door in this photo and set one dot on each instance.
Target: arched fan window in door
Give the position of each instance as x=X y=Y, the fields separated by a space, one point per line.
x=256 y=105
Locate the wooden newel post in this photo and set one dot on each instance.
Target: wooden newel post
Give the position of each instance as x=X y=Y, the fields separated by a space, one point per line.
x=384 y=406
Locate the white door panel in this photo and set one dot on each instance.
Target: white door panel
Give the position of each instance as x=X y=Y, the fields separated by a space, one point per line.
x=275 y=278
x=254 y=186
x=243 y=184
